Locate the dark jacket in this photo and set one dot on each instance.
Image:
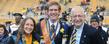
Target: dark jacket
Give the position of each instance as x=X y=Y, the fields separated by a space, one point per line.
x=102 y=35
x=89 y=35
x=21 y=40
x=58 y=38
x=35 y=37
x=15 y=33
x=6 y=40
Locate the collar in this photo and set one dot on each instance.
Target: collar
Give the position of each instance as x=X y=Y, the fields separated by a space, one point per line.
x=81 y=27
x=55 y=23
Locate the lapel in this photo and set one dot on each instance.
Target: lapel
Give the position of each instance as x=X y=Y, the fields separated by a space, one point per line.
x=62 y=26
x=84 y=34
x=57 y=29
x=58 y=38
x=71 y=30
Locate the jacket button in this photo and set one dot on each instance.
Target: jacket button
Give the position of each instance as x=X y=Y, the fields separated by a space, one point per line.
x=102 y=38
x=82 y=41
x=84 y=36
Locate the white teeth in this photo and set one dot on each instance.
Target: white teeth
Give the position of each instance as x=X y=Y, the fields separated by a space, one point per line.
x=28 y=30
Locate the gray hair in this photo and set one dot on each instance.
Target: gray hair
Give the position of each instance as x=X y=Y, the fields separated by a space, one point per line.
x=76 y=9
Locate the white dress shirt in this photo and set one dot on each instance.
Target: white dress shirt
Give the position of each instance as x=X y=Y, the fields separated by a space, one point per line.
x=14 y=27
x=56 y=24
x=78 y=34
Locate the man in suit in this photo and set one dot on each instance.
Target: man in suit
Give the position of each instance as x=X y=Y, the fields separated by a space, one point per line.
x=52 y=29
x=80 y=32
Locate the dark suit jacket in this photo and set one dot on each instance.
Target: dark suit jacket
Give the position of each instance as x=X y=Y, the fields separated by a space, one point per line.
x=89 y=35
x=102 y=35
x=58 y=38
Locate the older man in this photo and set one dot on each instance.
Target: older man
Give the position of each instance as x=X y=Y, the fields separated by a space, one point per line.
x=80 y=32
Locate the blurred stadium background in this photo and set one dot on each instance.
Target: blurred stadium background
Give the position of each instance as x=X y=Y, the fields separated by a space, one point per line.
x=8 y=7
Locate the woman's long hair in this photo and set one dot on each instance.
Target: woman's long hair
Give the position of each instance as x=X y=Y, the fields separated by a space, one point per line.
x=21 y=28
x=5 y=31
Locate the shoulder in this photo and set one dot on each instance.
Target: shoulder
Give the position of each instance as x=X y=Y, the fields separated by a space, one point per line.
x=12 y=25
x=41 y=22
x=5 y=38
x=9 y=40
x=105 y=29
x=91 y=32
x=15 y=32
x=13 y=37
x=89 y=29
x=36 y=37
x=64 y=24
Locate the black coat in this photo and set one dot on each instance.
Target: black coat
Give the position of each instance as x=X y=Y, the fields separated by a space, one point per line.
x=89 y=35
x=58 y=38
x=102 y=35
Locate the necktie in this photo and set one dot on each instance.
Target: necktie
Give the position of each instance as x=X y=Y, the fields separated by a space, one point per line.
x=73 y=37
x=52 y=33
x=52 y=28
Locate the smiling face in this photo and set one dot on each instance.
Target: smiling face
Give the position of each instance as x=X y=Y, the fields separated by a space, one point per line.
x=53 y=12
x=1 y=30
x=78 y=16
x=28 y=26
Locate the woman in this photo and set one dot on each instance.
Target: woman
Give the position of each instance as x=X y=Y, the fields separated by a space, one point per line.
x=27 y=32
x=4 y=38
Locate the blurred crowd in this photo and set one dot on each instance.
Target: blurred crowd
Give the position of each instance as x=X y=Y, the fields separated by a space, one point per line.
x=73 y=26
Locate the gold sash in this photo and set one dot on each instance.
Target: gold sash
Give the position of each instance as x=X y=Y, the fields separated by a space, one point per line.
x=45 y=32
